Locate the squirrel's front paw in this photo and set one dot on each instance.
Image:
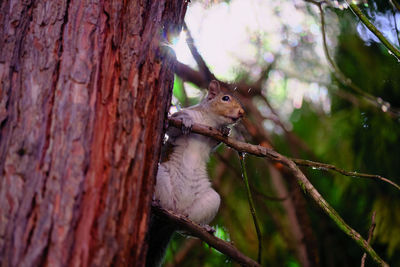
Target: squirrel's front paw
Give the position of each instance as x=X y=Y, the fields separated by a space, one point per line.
x=187 y=124
x=225 y=131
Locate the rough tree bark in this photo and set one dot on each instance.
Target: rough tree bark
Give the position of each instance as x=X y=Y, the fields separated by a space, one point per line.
x=84 y=90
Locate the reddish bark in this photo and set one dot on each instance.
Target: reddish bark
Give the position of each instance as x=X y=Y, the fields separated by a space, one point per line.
x=83 y=94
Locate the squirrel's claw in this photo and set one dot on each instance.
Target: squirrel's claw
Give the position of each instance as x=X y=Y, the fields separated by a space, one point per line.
x=225 y=131
x=187 y=124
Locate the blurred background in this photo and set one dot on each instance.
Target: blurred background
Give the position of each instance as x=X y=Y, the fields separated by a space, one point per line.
x=334 y=104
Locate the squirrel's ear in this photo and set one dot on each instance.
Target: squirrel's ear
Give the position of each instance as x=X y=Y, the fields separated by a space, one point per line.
x=213 y=89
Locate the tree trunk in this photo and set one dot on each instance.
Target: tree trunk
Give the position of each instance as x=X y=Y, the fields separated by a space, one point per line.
x=84 y=91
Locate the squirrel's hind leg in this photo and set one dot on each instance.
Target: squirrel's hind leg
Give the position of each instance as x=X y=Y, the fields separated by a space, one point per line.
x=205 y=208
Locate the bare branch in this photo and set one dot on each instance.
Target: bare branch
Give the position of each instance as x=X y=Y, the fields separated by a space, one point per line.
x=395 y=4
x=196 y=55
x=196 y=230
x=324 y=166
x=372 y=100
x=296 y=172
x=392 y=50
x=251 y=204
x=261 y=151
x=395 y=25
x=188 y=74
x=254 y=189
x=197 y=78
x=370 y=233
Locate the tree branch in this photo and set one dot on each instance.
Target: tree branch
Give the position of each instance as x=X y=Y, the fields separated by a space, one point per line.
x=188 y=74
x=372 y=100
x=196 y=55
x=196 y=230
x=395 y=4
x=392 y=50
x=395 y=26
x=370 y=233
x=252 y=207
x=254 y=189
x=301 y=178
x=261 y=151
x=324 y=166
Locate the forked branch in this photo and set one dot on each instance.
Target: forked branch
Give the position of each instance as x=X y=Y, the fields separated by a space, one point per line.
x=370 y=233
x=301 y=178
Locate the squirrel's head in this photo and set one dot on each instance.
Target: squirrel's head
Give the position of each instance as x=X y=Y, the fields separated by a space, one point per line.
x=223 y=104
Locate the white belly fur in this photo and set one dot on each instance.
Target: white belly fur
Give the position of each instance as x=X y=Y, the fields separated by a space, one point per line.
x=183 y=185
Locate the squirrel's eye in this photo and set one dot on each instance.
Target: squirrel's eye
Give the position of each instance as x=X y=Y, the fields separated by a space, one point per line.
x=225 y=98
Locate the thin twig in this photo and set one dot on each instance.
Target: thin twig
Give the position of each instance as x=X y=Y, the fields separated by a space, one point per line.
x=253 y=189
x=395 y=4
x=251 y=204
x=324 y=166
x=395 y=26
x=392 y=50
x=296 y=172
x=198 y=231
x=370 y=233
x=261 y=151
x=196 y=55
x=372 y=100
x=189 y=74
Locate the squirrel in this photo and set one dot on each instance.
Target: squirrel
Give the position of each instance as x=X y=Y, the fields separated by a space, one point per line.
x=182 y=183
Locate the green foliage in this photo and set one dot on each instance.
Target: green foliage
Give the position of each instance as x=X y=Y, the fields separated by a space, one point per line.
x=178 y=90
x=354 y=136
x=360 y=138
x=385 y=231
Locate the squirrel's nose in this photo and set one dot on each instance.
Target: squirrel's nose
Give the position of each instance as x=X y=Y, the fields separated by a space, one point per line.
x=241 y=112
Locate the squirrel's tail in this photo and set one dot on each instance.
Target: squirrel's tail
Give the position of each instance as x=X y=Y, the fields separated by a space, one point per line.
x=160 y=234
